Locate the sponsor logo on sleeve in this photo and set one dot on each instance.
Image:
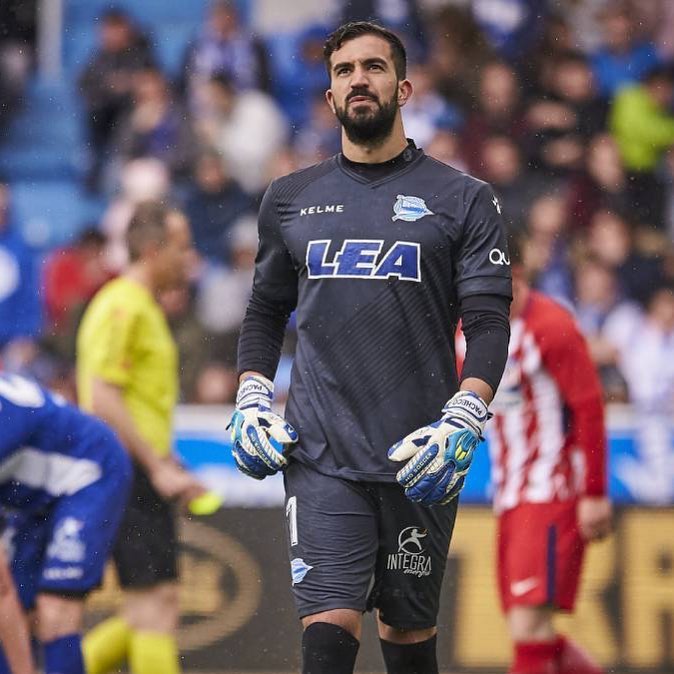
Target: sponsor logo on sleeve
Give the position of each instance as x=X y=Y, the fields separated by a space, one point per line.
x=498 y=257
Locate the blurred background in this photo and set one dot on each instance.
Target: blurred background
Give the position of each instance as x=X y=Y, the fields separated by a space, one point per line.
x=565 y=106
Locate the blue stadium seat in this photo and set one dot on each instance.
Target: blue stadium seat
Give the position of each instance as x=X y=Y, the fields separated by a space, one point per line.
x=51 y=213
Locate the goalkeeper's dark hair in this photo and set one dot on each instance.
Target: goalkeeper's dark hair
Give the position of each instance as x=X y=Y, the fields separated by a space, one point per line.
x=354 y=29
x=147 y=225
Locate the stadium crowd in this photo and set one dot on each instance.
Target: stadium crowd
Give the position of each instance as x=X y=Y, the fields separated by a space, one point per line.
x=565 y=107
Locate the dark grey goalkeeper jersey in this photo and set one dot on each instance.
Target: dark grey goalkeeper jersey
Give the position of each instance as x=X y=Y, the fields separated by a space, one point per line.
x=376 y=271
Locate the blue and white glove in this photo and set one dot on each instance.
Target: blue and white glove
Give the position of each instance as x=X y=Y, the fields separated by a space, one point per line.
x=259 y=436
x=439 y=455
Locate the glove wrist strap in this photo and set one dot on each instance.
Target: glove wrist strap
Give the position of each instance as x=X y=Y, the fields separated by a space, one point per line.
x=255 y=391
x=468 y=407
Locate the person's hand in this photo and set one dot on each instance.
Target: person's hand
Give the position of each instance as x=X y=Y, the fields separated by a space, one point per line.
x=172 y=481
x=259 y=436
x=439 y=455
x=595 y=517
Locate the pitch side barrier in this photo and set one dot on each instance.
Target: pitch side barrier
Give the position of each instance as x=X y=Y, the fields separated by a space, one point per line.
x=236 y=577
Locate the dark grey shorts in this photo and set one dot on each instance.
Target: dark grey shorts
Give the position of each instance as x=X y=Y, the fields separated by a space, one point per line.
x=364 y=545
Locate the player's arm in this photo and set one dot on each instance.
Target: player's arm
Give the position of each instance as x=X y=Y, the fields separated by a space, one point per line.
x=111 y=352
x=14 y=633
x=168 y=477
x=486 y=326
x=258 y=435
x=566 y=356
x=439 y=455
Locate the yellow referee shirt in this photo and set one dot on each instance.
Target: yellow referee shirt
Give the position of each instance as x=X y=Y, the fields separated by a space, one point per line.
x=124 y=339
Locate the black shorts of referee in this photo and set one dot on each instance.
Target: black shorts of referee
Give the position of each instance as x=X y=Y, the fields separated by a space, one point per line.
x=146 y=550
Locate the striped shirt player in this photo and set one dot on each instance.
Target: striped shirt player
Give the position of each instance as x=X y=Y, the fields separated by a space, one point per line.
x=547 y=437
x=547 y=443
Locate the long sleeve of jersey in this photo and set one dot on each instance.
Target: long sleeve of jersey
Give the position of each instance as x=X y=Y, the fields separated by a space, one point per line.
x=486 y=326
x=273 y=299
x=567 y=358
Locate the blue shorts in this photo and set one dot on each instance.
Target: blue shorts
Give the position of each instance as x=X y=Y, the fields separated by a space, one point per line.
x=364 y=546
x=63 y=550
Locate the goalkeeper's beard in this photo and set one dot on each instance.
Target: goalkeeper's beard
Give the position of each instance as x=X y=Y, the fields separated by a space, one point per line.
x=367 y=127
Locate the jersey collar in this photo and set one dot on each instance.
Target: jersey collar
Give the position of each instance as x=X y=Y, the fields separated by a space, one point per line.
x=377 y=174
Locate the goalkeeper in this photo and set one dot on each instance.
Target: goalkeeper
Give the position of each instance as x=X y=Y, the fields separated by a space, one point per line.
x=378 y=250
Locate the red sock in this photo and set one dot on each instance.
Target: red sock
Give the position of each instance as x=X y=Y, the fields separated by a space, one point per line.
x=574 y=660
x=535 y=657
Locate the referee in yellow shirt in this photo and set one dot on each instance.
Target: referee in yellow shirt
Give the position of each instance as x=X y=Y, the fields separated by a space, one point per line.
x=127 y=374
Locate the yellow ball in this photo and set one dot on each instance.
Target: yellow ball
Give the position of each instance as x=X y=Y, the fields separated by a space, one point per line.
x=206 y=504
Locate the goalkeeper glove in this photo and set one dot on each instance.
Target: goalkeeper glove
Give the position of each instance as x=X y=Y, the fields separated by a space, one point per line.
x=439 y=455
x=259 y=436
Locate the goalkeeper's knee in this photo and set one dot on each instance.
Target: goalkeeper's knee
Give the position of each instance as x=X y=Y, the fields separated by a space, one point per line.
x=328 y=649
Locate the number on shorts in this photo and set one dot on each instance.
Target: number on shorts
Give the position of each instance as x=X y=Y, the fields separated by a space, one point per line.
x=291 y=514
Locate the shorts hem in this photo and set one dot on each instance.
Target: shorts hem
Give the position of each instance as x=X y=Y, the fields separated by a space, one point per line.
x=566 y=607
x=147 y=583
x=66 y=593
x=406 y=626
x=330 y=606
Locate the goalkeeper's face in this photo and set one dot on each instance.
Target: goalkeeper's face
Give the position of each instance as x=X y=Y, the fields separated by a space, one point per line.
x=365 y=93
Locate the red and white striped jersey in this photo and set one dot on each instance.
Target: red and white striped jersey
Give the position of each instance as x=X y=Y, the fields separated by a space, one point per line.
x=547 y=438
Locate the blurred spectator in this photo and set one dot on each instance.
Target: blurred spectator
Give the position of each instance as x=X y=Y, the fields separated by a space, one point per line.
x=107 y=80
x=503 y=166
x=547 y=247
x=558 y=38
x=319 y=138
x=611 y=240
x=603 y=315
x=70 y=278
x=216 y=384
x=647 y=363
x=284 y=161
x=458 y=51
x=18 y=19
x=20 y=310
x=402 y=16
x=224 y=46
x=246 y=128
x=140 y=180
x=155 y=125
x=512 y=26
x=564 y=116
x=625 y=56
x=427 y=112
x=643 y=126
x=299 y=73
x=602 y=183
x=214 y=203
x=445 y=146
x=498 y=110
x=195 y=344
x=224 y=293
x=584 y=23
